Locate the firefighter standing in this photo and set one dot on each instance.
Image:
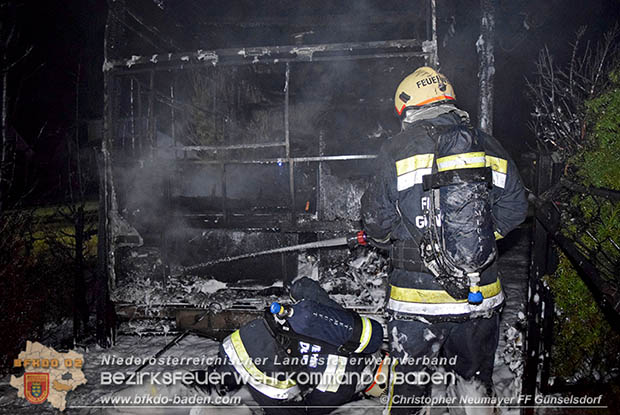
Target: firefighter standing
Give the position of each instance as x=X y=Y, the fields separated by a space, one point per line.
x=419 y=307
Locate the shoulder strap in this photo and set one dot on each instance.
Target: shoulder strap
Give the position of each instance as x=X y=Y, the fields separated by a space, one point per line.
x=415 y=233
x=284 y=335
x=354 y=341
x=433 y=132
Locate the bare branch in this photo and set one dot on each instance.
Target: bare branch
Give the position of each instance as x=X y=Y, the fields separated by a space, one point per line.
x=559 y=94
x=18 y=60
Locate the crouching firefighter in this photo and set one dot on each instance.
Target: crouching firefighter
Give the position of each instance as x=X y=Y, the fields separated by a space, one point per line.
x=443 y=192
x=305 y=358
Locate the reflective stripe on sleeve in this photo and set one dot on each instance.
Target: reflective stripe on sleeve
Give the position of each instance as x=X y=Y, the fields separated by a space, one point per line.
x=419 y=161
x=497 y=164
x=365 y=336
x=499 y=179
x=333 y=373
x=500 y=168
x=461 y=161
x=409 y=171
x=436 y=309
x=410 y=179
x=242 y=362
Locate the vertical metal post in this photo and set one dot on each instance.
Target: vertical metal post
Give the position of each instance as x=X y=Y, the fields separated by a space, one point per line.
x=431 y=59
x=103 y=247
x=540 y=304
x=151 y=114
x=319 y=189
x=319 y=205
x=547 y=329
x=141 y=119
x=133 y=119
x=105 y=254
x=215 y=117
x=285 y=277
x=434 y=23
x=535 y=296
x=291 y=165
x=224 y=195
x=173 y=130
x=486 y=70
x=167 y=183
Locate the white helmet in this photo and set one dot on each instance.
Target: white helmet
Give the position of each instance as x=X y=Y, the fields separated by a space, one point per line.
x=380 y=381
x=423 y=87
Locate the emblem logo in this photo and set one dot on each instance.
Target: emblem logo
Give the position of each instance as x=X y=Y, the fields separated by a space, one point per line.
x=36 y=387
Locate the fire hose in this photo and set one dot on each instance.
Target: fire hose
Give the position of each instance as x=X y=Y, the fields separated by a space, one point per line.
x=352 y=240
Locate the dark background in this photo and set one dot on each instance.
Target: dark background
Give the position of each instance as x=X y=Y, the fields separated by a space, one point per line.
x=67 y=37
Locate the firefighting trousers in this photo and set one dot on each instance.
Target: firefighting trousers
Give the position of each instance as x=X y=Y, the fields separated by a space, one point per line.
x=464 y=348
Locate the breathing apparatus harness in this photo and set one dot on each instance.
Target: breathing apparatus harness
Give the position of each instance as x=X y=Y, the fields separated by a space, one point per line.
x=432 y=256
x=287 y=339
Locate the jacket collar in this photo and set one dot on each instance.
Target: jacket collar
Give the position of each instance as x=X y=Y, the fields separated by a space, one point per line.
x=445 y=114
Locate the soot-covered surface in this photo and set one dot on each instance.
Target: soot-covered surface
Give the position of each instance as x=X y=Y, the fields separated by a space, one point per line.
x=358 y=282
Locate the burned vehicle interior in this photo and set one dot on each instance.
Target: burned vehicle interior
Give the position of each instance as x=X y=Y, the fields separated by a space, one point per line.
x=219 y=142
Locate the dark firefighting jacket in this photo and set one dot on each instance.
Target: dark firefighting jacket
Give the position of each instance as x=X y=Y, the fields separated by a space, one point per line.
x=269 y=358
x=397 y=189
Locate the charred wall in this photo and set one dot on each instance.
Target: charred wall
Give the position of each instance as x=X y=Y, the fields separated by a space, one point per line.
x=224 y=152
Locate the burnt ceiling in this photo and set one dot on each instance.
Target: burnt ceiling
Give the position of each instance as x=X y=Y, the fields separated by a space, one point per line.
x=157 y=26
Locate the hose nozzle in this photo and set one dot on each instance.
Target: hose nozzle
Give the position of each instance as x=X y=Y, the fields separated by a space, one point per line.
x=357 y=239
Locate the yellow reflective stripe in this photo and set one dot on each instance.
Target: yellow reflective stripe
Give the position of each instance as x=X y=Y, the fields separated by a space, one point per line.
x=365 y=336
x=497 y=235
x=388 y=408
x=461 y=161
x=413 y=295
x=431 y=309
x=419 y=161
x=407 y=180
x=497 y=164
x=248 y=364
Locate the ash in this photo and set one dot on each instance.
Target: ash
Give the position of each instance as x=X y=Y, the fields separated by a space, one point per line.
x=357 y=282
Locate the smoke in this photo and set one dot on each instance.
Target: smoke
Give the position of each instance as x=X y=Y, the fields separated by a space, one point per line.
x=200 y=149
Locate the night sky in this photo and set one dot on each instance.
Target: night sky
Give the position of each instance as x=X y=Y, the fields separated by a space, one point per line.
x=63 y=34
x=68 y=33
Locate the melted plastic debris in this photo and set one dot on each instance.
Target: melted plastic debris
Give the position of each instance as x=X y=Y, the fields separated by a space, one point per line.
x=307 y=51
x=358 y=282
x=307 y=266
x=207 y=55
x=134 y=59
x=513 y=351
x=107 y=65
x=341 y=197
x=428 y=335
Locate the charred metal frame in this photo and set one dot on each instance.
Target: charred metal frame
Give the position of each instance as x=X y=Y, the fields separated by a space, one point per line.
x=269 y=55
x=116 y=66
x=276 y=54
x=540 y=308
